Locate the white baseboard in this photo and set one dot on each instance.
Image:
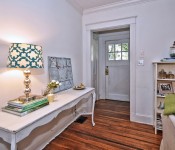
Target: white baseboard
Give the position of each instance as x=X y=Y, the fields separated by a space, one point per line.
x=141 y=118
x=120 y=97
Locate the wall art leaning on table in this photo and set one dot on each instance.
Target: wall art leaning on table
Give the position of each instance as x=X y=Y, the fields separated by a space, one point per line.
x=60 y=69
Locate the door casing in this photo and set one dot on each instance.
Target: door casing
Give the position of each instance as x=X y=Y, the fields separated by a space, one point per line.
x=87 y=54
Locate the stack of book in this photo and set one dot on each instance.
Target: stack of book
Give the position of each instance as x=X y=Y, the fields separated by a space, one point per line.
x=168 y=60
x=21 y=108
x=159 y=122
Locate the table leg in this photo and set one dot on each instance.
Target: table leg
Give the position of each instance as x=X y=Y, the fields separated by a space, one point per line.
x=93 y=106
x=13 y=142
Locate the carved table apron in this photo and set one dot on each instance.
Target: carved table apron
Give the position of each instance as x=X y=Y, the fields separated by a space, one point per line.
x=14 y=128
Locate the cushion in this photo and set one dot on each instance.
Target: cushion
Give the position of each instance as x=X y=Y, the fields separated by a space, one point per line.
x=169 y=104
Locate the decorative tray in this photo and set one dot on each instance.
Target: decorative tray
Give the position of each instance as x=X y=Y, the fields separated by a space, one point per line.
x=78 y=88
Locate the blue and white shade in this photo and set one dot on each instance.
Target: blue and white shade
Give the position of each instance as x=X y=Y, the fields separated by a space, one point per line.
x=25 y=56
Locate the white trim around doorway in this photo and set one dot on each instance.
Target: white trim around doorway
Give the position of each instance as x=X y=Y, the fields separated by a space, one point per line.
x=87 y=54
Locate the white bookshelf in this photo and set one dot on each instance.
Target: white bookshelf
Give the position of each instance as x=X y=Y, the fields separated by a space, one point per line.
x=159 y=95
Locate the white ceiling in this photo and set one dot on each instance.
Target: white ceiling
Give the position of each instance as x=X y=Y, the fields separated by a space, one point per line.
x=90 y=5
x=86 y=4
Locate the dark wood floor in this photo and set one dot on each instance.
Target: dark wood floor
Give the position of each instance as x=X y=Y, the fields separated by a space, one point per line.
x=112 y=131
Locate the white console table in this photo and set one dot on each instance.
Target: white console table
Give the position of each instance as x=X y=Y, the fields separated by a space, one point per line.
x=13 y=128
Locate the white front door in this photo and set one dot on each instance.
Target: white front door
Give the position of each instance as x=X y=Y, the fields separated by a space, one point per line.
x=117 y=69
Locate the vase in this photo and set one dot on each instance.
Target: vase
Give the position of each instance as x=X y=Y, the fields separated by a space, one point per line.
x=50 y=97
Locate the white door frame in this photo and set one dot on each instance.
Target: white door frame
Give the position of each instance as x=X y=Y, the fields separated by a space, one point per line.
x=87 y=54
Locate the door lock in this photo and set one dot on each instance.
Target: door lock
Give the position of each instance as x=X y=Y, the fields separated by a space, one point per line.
x=106 y=71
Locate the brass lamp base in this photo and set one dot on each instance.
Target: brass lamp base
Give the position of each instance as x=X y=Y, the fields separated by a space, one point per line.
x=27 y=82
x=30 y=98
x=26 y=99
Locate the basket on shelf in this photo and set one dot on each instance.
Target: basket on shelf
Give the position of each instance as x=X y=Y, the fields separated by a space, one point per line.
x=170 y=75
x=162 y=74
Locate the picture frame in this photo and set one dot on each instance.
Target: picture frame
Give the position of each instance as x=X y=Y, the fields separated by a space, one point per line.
x=165 y=87
x=60 y=69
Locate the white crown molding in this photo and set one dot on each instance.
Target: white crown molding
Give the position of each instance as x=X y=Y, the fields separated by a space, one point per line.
x=76 y=6
x=117 y=4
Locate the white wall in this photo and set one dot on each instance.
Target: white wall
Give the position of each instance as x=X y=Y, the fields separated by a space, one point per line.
x=53 y=24
x=155 y=33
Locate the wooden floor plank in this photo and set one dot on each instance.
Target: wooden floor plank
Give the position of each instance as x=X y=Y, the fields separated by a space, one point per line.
x=113 y=131
x=116 y=137
x=118 y=130
x=100 y=143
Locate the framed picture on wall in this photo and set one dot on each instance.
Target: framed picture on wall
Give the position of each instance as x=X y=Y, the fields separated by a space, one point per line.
x=165 y=87
x=173 y=85
x=60 y=69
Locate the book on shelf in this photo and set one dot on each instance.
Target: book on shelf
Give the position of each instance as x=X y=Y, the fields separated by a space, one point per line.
x=168 y=60
x=21 y=104
x=159 y=128
x=25 y=112
x=160 y=95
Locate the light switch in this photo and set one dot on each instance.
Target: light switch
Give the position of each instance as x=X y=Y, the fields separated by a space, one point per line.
x=140 y=62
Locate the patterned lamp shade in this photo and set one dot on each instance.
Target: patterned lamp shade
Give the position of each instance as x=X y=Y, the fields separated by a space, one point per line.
x=25 y=56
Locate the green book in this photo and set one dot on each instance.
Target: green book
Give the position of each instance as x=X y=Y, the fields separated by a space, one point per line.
x=21 y=104
x=18 y=109
x=25 y=112
x=32 y=105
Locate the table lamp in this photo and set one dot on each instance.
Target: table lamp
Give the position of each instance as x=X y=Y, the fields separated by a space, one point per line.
x=23 y=55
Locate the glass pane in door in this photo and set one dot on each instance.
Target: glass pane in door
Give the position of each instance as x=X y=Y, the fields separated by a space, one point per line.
x=118 y=56
x=111 y=48
x=111 y=56
x=124 y=55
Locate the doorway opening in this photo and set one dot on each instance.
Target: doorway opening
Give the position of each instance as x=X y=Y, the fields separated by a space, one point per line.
x=111 y=64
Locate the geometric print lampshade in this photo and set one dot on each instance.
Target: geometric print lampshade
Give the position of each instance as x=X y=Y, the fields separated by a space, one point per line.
x=25 y=56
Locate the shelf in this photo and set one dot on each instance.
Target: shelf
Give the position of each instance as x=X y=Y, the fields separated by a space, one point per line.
x=159 y=128
x=160 y=111
x=164 y=62
x=159 y=96
x=165 y=79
